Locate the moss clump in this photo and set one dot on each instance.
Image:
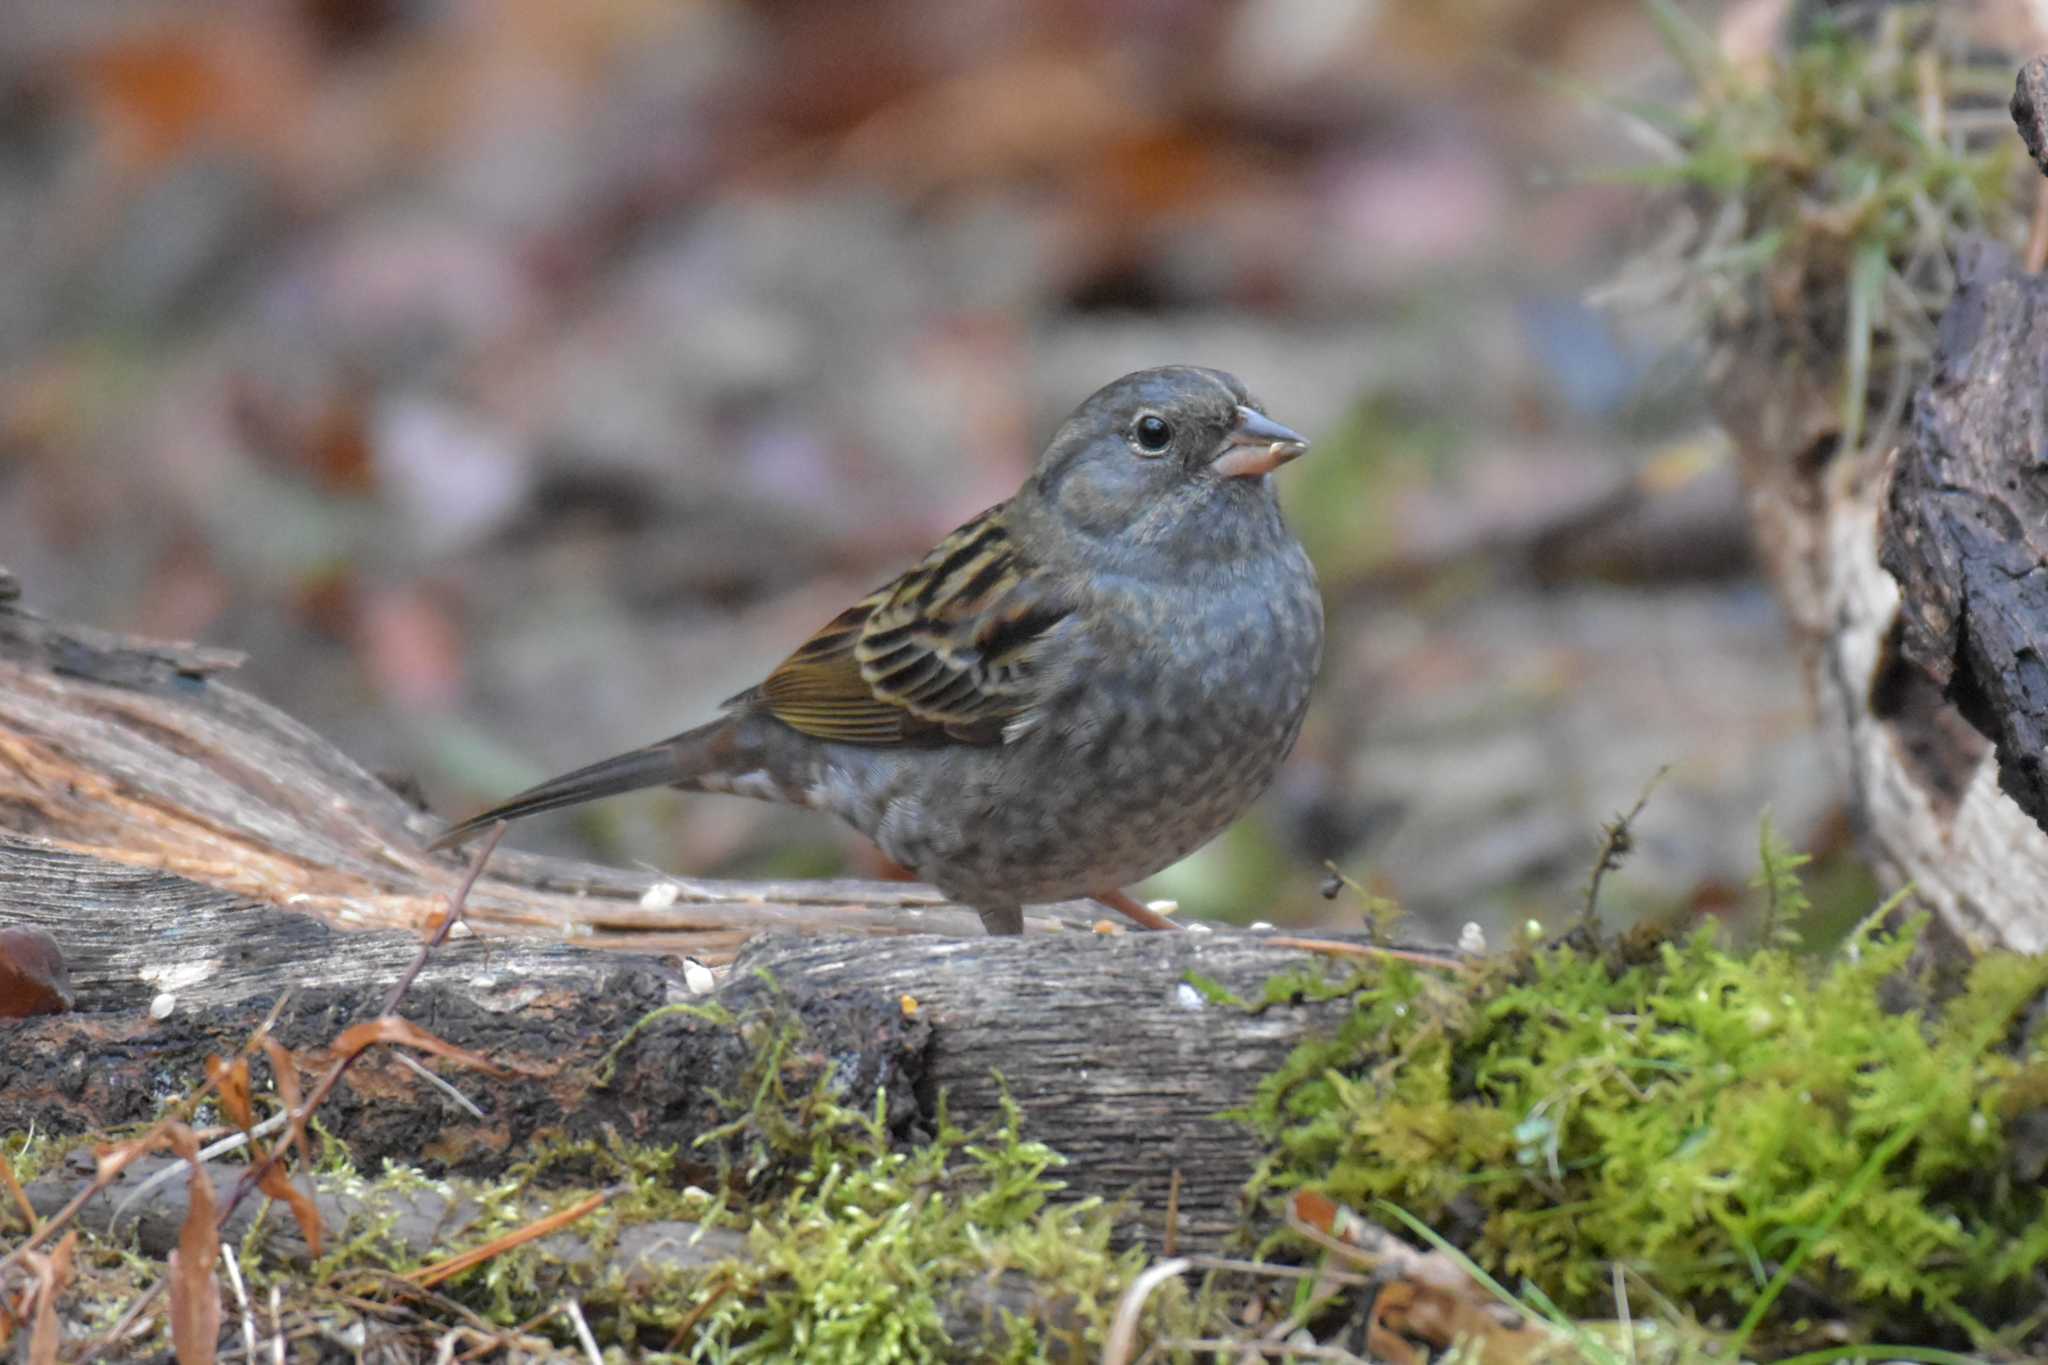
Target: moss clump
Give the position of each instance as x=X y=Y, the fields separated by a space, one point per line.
x=1703 y=1119
x=865 y=1240
x=883 y=1255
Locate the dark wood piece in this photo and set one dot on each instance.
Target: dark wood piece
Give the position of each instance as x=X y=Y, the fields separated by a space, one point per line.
x=1965 y=527
x=1912 y=573
x=2030 y=109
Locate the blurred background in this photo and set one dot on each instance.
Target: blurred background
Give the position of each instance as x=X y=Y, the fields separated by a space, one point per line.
x=515 y=379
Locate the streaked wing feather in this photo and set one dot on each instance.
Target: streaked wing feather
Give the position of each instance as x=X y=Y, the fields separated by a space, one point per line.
x=948 y=647
x=819 y=689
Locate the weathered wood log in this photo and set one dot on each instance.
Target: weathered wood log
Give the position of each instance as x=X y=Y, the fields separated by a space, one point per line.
x=192 y=849
x=1113 y=1057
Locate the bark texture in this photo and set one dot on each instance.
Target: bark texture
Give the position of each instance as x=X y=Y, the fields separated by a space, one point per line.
x=1114 y=1058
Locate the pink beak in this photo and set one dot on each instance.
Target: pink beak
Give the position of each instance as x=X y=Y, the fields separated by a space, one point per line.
x=1256 y=445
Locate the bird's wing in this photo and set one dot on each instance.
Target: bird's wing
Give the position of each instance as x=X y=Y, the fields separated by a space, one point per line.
x=952 y=647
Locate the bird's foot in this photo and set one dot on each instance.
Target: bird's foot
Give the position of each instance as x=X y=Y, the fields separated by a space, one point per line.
x=1001 y=919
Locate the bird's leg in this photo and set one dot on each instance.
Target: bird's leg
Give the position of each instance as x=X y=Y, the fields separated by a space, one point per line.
x=1133 y=910
x=1001 y=919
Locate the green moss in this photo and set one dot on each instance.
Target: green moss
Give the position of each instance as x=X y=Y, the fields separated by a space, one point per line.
x=1698 y=1117
x=860 y=1246
x=876 y=1249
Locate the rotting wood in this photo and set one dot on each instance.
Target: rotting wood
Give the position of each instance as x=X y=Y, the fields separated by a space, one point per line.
x=1965 y=524
x=547 y=1014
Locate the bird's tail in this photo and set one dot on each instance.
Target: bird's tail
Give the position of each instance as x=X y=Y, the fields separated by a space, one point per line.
x=672 y=762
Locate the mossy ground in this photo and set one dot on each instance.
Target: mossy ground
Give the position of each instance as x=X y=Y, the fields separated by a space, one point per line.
x=1806 y=1149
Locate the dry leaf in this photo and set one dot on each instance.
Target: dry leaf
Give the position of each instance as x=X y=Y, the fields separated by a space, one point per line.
x=52 y=1273
x=231 y=1083
x=284 y=1074
x=390 y=1028
x=304 y=1211
x=33 y=979
x=194 y=1291
x=1425 y=1295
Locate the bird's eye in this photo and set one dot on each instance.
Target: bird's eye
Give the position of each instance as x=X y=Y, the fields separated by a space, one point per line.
x=1154 y=434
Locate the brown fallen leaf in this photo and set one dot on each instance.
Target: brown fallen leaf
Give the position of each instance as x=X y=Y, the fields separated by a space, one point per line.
x=1424 y=1295
x=391 y=1028
x=52 y=1274
x=231 y=1083
x=285 y=1075
x=33 y=977
x=194 y=1290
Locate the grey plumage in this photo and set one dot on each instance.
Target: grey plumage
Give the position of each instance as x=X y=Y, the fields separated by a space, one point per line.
x=1074 y=690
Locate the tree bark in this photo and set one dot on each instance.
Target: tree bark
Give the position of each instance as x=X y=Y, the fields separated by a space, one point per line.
x=1965 y=529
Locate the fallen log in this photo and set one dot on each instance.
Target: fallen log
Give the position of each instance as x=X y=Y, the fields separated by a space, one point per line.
x=1114 y=1058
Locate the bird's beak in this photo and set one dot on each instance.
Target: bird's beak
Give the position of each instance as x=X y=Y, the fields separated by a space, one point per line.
x=1256 y=445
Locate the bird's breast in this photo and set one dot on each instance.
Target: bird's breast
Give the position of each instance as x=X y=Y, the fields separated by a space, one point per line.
x=1196 y=673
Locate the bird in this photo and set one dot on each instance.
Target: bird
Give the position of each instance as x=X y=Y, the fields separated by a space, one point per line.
x=1073 y=690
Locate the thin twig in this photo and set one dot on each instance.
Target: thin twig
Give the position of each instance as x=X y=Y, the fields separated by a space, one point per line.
x=328 y=1080
x=574 y=1312
x=1339 y=948
x=506 y=1337
x=125 y=1324
x=704 y=1305
x=1616 y=842
x=177 y=1170
x=227 y=1256
x=448 y=920
x=440 y=1083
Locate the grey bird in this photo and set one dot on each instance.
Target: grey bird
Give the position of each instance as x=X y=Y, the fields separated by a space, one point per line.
x=1077 y=688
